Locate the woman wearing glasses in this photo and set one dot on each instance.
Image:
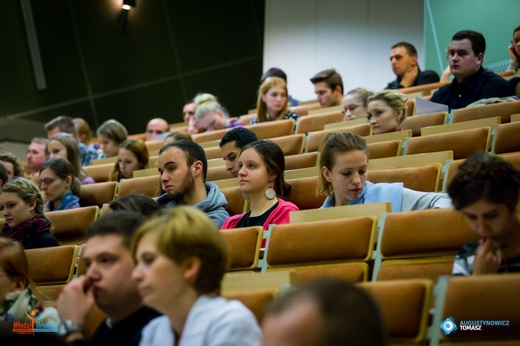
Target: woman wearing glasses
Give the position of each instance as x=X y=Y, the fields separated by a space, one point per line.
x=22 y=207
x=355 y=103
x=59 y=185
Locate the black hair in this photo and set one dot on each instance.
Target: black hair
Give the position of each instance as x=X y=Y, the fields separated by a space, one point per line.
x=478 y=42
x=240 y=135
x=193 y=151
x=121 y=223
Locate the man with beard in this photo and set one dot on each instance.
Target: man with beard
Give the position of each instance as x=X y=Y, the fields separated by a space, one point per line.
x=183 y=168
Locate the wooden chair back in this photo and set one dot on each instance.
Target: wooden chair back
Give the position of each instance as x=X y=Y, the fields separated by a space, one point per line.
x=244 y=247
x=429 y=181
x=236 y=202
x=479 y=297
x=314 y=138
x=405 y=308
x=316 y=122
x=417 y=122
x=304 y=109
x=99 y=172
x=503 y=110
x=340 y=212
x=507 y=138
x=150 y=186
x=352 y=271
x=321 y=242
x=52 y=265
x=304 y=193
x=273 y=129
x=462 y=143
x=97 y=194
x=70 y=226
x=384 y=149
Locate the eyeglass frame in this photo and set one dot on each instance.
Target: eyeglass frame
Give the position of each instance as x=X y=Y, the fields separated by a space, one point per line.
x=46 y=181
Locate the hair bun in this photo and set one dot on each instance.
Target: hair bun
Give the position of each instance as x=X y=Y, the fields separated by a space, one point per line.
x=203 y=98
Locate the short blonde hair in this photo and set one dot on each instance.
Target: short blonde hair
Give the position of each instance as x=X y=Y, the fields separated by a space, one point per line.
x=394 y=99
x=207 y=103
x=186 y=232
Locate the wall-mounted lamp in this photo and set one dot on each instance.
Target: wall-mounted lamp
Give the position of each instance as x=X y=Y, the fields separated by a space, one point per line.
x=128 y=4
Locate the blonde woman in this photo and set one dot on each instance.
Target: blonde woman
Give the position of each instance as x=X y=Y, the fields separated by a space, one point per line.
x=386 y=111
x=181 y=259
x=210 y=115
x=272 y=101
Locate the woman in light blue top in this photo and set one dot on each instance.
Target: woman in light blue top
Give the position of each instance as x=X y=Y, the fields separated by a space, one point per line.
x=343 y=162
x=60 y=186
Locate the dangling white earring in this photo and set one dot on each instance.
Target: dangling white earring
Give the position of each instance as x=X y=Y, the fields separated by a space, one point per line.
x=244 y=196
x=270 y=193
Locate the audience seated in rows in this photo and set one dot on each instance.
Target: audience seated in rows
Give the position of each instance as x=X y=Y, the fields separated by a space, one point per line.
x=157 y=128
x=23 y=211
x=59 y=185
x=65 y=124
x=328 y=87
x=181 y=260
x=403 y=59
x=355 y=103
x=272 y=101
x=12 y=164
x=111 y=134
x=65 y=146
x=36 y=155
x=485 y=190
x=183 y=168
x=210 y=115
x=343 y=166
x=472 y=82
x=107 y=283
x=262 y=166
x=133 y=155
x=231 y=144
x=386 y=111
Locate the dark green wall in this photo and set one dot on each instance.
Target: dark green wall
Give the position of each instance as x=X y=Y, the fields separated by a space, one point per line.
x=494 y=19
x=170 y=51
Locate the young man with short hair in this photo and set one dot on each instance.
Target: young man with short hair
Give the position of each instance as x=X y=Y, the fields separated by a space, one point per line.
x=232 y=143
x=107 y=283
x=65 y=124
x=183 y=168
x=472 y=82
x=328 y=86
x=403 y=59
